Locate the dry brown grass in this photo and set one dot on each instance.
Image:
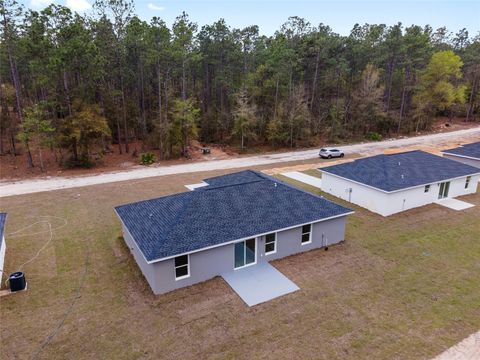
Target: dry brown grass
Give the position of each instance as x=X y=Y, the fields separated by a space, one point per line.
x=403 y=287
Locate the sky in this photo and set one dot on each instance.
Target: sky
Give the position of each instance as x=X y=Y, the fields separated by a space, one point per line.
x=269 y=15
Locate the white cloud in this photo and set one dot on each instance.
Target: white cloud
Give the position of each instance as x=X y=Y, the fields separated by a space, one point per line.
x=40 y=4
x=155 y=7
x=77 y=5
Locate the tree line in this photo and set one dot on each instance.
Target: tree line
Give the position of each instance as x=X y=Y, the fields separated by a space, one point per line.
x=83 y=85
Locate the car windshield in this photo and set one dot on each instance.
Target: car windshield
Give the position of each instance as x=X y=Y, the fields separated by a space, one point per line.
x=323 y=149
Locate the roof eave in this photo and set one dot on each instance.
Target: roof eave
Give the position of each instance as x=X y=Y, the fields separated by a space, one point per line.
x=402 y=189
x=462 y=156
x=245 y=238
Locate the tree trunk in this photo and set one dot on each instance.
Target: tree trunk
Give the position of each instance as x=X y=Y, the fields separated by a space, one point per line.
x=314 y=85
x=404 y=95
x=40 y=156
x=391 y=68
x=184 y=91
x=142 y=92
x=291 y=136
x=471 y=98
x=124 y=112
x=160 y=120
x=14 y=148
x=67 y=93
x=15 y=79
x=276 y=100
x=74 y=149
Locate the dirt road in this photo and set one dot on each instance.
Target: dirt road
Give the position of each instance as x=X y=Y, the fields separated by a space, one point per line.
x=439 y=140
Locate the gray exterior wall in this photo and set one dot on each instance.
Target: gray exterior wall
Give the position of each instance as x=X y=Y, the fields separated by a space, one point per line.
x=209 y=263
x=147 y=270
x=463 y=160
x=289 y=241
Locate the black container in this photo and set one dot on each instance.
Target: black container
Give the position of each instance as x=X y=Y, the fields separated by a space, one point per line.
x=17 y=281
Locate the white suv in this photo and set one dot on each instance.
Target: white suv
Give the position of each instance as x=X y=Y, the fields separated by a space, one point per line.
x=328 y=153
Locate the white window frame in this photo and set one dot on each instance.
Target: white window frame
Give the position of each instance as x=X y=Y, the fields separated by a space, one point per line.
x=310 y=235
x=467 y=182
x=175 y=268
x=427 y=188
x=274 y=244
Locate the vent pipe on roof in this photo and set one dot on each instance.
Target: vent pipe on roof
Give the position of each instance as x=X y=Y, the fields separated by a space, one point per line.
x=275 y=185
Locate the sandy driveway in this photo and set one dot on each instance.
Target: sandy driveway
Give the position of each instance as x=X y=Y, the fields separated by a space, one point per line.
x=47 y=184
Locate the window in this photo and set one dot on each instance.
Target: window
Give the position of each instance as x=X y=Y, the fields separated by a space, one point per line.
x=467 y=182
x=244 y=253
x=181 y=267
x=306 y=234
x=427 y=188
x=270 y=243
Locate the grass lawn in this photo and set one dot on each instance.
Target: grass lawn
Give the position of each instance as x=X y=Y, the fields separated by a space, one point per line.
x=312 y=172
x=403 y=287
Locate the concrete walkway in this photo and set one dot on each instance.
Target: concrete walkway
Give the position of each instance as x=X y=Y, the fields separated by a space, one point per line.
x=307 y=179
x=10 y=188
x=454 y=204
x=259 y=283
x=468 y=349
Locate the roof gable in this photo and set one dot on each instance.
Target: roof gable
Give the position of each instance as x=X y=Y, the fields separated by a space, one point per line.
x=401 y=171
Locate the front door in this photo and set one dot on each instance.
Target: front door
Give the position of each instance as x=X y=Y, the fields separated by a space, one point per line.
x=444 y=187
x=245 y=253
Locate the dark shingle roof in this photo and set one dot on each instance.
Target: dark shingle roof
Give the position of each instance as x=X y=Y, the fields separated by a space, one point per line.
x=233 y=179
x=400 y=171
x=3 y=217
x=220 y=213
x=471 y=150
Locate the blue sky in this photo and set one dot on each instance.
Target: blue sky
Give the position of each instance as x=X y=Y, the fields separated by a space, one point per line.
x=340 y=15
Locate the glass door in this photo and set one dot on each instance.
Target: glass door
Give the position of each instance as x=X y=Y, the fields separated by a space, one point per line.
x=444 y=188
x=245 y=253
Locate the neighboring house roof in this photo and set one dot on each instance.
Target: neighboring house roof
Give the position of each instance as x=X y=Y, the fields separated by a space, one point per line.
x=401 y=171
x=232 y=207
x=469 y=150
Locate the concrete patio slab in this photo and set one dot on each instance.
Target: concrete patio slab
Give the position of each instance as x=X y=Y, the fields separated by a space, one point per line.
x=259 y=283
x=307 y=179
x=454 y=204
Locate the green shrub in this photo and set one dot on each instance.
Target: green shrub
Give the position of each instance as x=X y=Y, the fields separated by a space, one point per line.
x=374 y=136
x=82 y=162
x=147 y=158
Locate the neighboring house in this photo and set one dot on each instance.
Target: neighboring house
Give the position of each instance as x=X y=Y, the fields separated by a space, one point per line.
x=388 y=184
x=3 y=244
x=237 y=220
x=468 y=154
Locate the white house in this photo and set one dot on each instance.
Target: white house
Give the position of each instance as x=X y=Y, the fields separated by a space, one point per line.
x=3 y=245
x=388 y=184
x=467 y=154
